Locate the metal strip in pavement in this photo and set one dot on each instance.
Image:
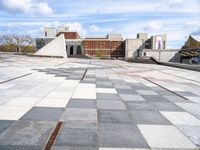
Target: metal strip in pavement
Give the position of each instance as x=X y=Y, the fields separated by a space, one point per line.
x=15 y=78
x=165 y=88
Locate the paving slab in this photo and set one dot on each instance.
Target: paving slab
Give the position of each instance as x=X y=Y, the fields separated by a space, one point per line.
x=113 y=116
x=43 y=114
x=74 y=114
x=148 y=117
x=165 y=137
x=115 y=105
x=31 y=133
x=120 y=136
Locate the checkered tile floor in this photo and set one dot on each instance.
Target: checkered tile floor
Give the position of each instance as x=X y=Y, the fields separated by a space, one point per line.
x=103 y=104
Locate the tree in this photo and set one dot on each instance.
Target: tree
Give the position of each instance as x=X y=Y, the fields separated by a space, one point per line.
x=20 y=42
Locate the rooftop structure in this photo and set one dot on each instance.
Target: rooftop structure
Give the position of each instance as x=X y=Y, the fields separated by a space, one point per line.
x=112 y=45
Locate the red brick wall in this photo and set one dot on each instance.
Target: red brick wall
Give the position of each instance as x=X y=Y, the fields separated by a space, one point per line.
x=70 y=35
x=104 y=48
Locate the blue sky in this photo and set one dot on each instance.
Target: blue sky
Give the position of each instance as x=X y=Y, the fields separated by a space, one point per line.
x=177 y=18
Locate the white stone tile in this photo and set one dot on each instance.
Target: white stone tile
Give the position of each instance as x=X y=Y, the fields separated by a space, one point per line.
x=57 y=94
x=85 y=91
x=106 y=90
x=193 y=99
x=53 y=102
x=13 y=112
x=192 y=132
x=190 y=107
x=175 y=89
x=181 y=118
x=6 y=86
x=23 y=101
x=165 y=137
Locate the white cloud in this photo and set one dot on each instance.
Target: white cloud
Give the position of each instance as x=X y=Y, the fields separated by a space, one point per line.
x=28 y=7
x=152 y=25
x=197 y=32
x=75 y=26
x=94 y=28
x=193 y=23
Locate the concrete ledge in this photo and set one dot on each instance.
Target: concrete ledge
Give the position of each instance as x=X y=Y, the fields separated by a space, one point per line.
x=182 y=66
x=34 y=55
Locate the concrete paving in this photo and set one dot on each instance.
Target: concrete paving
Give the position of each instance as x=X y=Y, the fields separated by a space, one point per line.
x=103 y=104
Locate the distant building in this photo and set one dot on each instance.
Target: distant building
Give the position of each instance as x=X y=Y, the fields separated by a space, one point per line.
x=190 y=52
x=112 y=45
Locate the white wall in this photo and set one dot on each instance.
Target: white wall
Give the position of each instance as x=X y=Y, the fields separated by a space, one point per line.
x=56 y=47
x=162 y=55
x=131 y=47
x=50 y=31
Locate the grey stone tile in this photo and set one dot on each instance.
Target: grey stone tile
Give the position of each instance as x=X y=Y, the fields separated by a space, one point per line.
x=165 y=106
x=113 y=116
x=147 y=92
x=139 y=106
x=19 y=147
x=81 y=104
x=148 y=117
x=176 y=99
x=80 y=124
x=75 y=114
x=74 y=148
x=27 y=133
x=77 y=137
x=120 y=136
x=43 y=114
x=105 y=96
x=103 y=84
x=5 y=124
x=122 y=86
x=126 y=91
x=155 y=98
x=103 y=104
x=131 y=97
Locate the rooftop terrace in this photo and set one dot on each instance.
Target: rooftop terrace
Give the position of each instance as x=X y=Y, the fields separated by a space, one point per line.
x=97 y=105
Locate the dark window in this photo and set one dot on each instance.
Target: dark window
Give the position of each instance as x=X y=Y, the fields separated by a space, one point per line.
x=46 y=33
x=79 y=52
x=71 y=50
x=164 y=44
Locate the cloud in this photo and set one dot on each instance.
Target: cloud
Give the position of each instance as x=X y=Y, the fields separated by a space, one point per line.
x=197 y=32
x=193 y=23
x=94 y=28
x=152 y=25
x=27 y=7
x=76 y=26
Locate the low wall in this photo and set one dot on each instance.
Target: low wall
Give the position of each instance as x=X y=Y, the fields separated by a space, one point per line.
x=182 y=66
x=165 y=55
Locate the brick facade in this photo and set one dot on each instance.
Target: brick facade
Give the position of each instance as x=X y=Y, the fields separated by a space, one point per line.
x=104 y=48
x=70 y=35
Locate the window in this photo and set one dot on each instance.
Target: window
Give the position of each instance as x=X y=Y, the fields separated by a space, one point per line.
x=164 y=44
x=45 y=33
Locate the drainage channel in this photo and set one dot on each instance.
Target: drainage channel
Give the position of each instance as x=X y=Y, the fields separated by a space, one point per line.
x=53 y=136
x=16 y=78
x=165 y=88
